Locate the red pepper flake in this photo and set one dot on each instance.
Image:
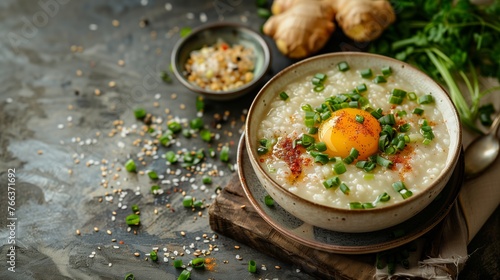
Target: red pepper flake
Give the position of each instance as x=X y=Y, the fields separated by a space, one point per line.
x=292 y=156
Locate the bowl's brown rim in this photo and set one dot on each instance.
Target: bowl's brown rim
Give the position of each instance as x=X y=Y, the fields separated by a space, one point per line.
x=218 y=25
x=439 y=180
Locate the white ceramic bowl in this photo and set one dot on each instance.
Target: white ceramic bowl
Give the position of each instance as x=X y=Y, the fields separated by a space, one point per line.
x=345 y=220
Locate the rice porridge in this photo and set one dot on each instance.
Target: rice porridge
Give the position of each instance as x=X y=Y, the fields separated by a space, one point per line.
x=353 y=138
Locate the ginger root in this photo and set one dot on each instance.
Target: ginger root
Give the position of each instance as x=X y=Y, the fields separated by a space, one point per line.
x=302 y=27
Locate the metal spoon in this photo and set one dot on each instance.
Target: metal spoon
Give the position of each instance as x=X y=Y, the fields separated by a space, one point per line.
x=483 y=151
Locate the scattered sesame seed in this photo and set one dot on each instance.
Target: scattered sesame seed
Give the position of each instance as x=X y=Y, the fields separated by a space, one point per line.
x=9 y=100
x=40 y=152
x=112 y=84
x=97 y=92
x=93 y=27
x=115 y=23
x=96 y=229
x=168 y=7
x=121 y=62
x=78 y=232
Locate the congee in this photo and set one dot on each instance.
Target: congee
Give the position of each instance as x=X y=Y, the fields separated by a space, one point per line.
x=353 y=138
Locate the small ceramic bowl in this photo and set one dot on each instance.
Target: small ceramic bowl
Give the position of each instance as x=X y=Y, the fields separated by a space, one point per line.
x=230 y=33
x=346 y=220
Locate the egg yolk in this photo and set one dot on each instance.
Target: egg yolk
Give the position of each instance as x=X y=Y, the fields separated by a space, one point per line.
x=342 y=132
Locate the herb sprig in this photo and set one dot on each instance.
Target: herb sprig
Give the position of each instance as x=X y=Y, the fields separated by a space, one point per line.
x=453 y=43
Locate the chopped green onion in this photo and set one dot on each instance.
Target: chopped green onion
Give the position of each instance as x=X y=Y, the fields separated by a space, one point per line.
x=353 y=104
x=361 y=88
x=268 y=200
x=262 y=150
x=398 y=92
x=343 y=66
x=387 y=119
x=366 y=73
x=344 y=188
x=384 y=162
x=412 y=96
x=197 y=203
x=306 y=108
x=405 y=127
x=155 y=189
x=312 y=130
x=384 y=197
x=379 y=79
x=224 y=153
x=187 y=201
x=207 y=179
x=152 y=175
x=320 y=76
x=398 y=186
x=166 y=138
x=319 y=88
x=200 y=104
x=405 y=193
x=174 y=127
x=171 y=157
x=339 y=168
x=425 y=99
x=355 y=205
x=263 y=142
x=135 y=208
x=395 y=100
x=283 y=96
x=386 y=70
x=252 y=266
x=307 y=140
x=178 y=264
x=320 y=146
x=153 y=256
x=360 y=118
x=368 y=205
x=206 y=135
x=401 y=113
x=332 y=182
x=426 y=141
x=133 y=220
x=196 y=123
x=418 y=111
x=130 y=165
x=326 y=115
x=377 y=113
x=198 y=263
x=321 y=158
x=129 y=276
x=139 y=113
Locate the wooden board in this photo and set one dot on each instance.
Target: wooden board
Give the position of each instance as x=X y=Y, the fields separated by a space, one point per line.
x=246 y=226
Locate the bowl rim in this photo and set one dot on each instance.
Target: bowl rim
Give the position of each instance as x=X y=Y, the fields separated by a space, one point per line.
x=214 y=26
x=447 y=171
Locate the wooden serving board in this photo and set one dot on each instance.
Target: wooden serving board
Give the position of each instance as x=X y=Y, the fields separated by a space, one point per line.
x=228 y=217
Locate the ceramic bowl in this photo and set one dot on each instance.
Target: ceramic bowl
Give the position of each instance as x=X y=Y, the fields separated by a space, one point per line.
x=346 y=220
x=231 y=33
